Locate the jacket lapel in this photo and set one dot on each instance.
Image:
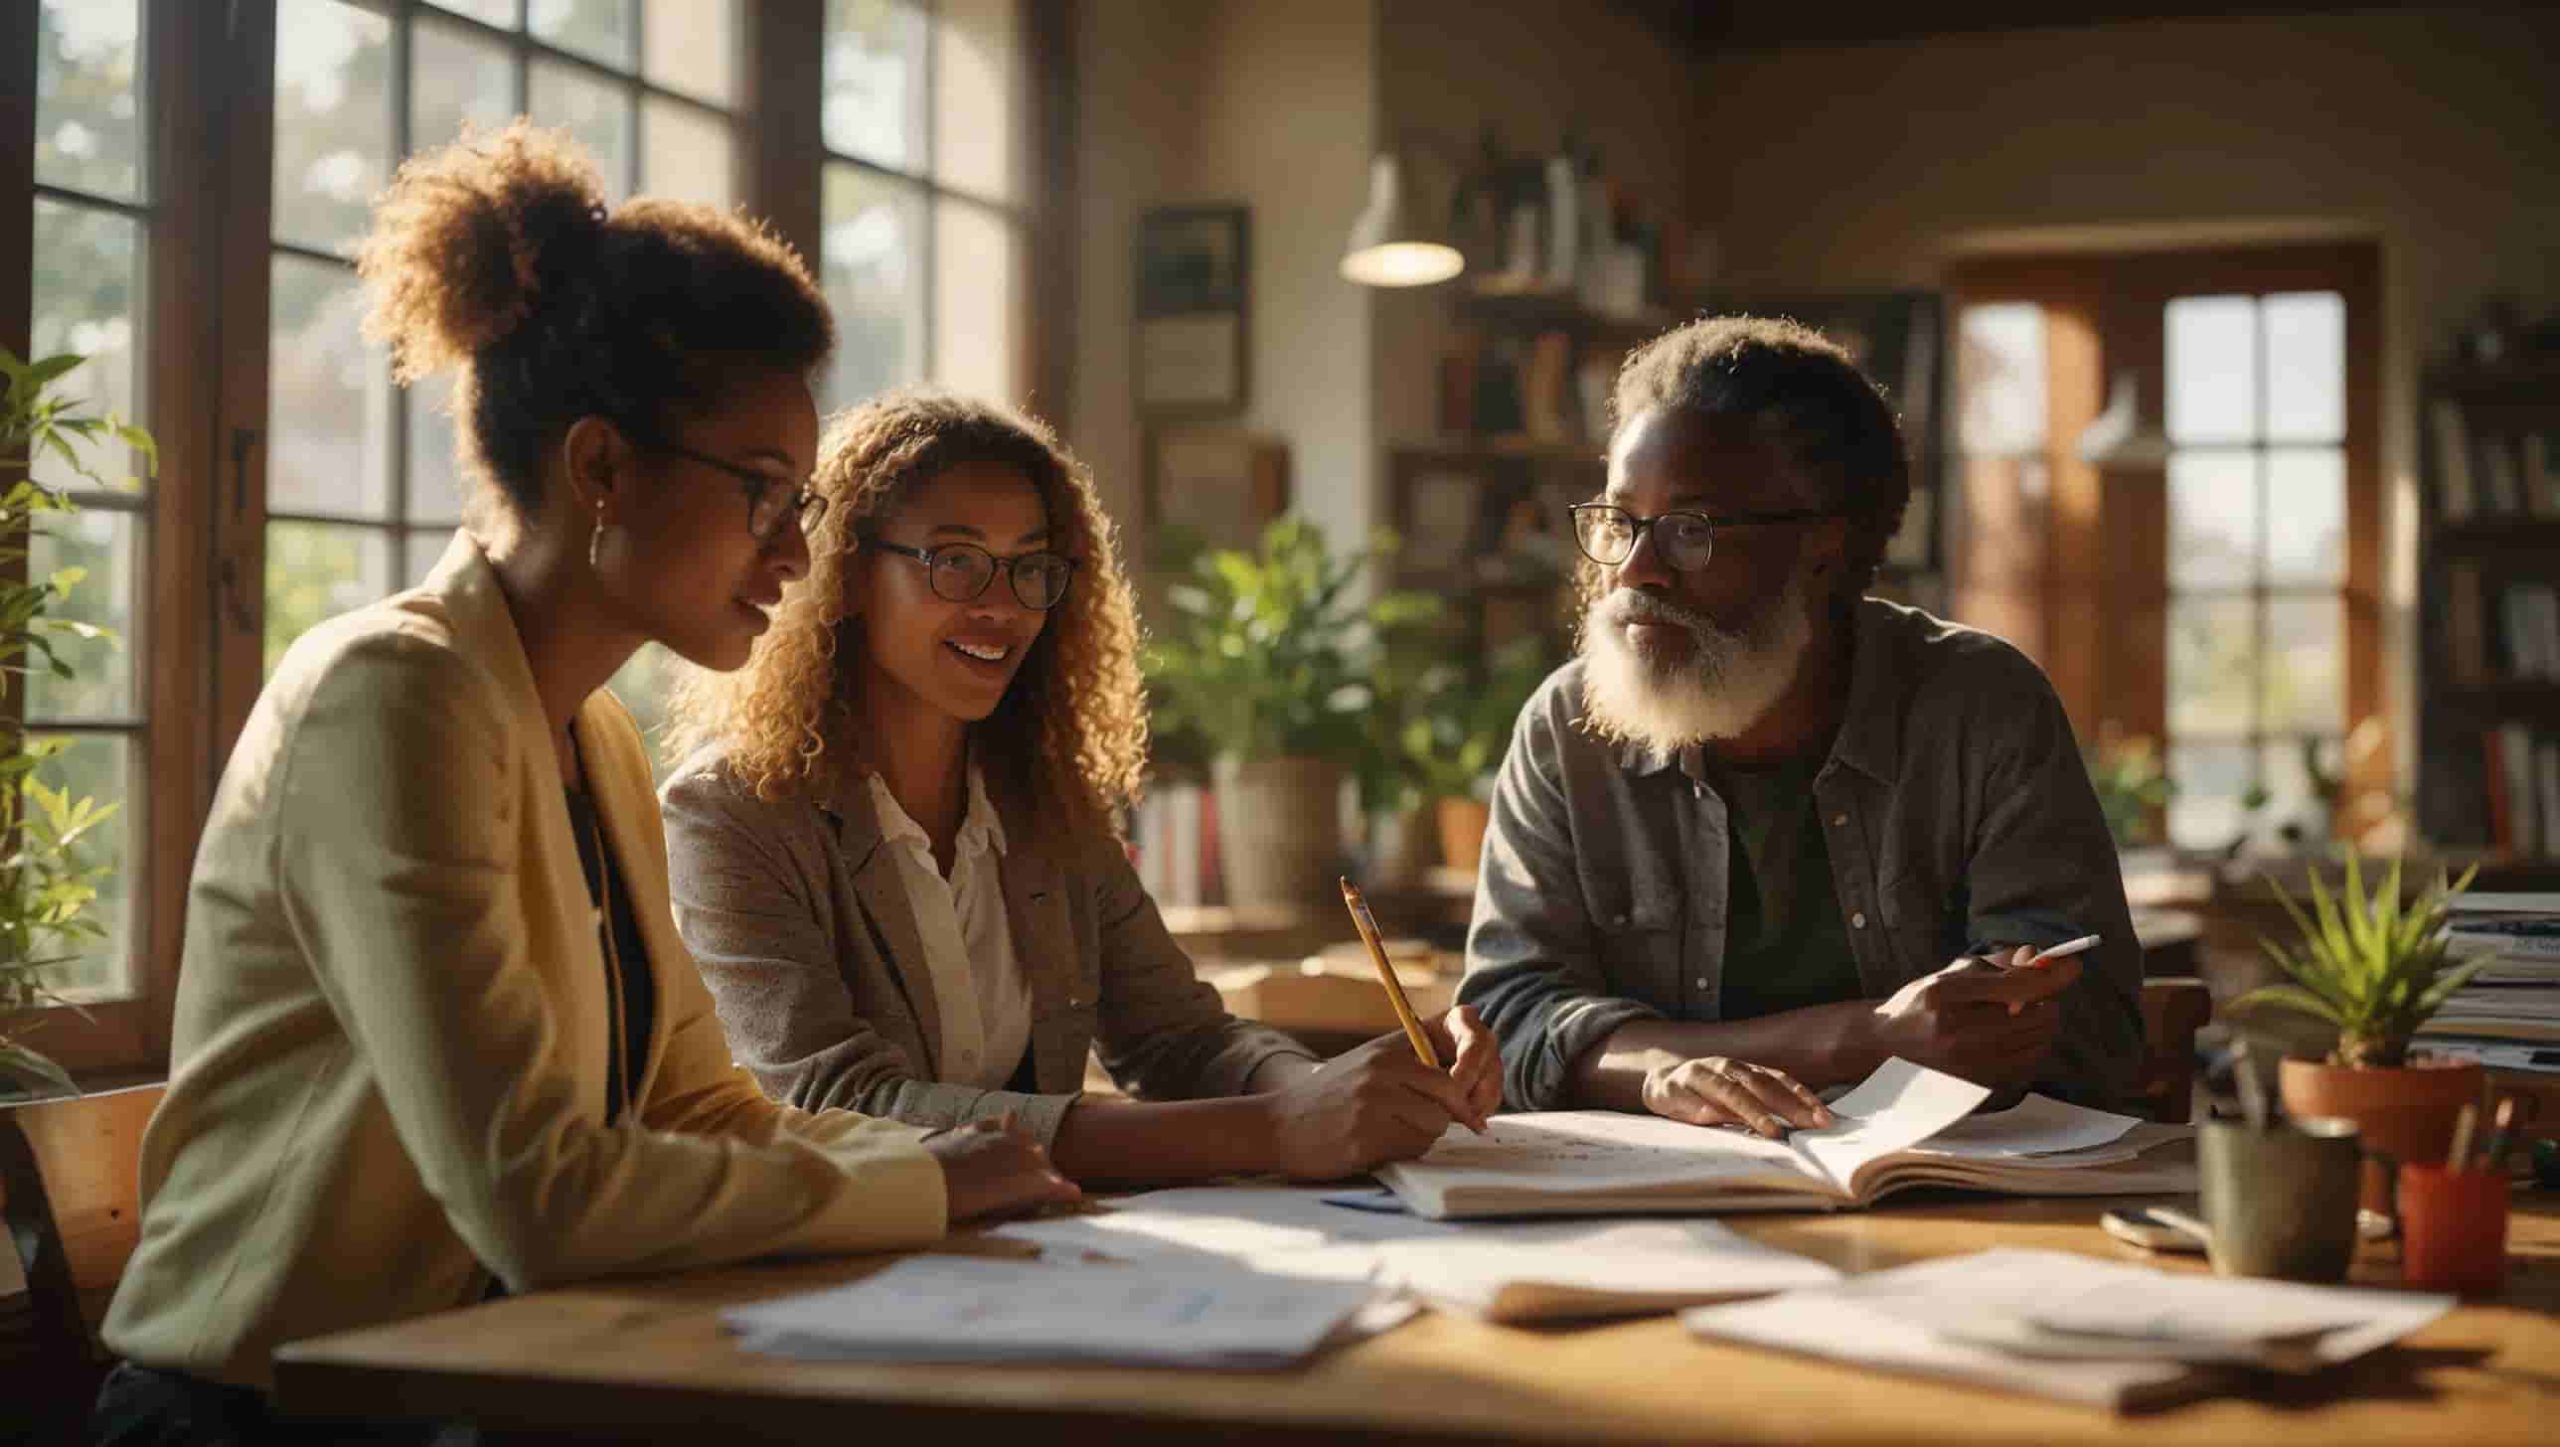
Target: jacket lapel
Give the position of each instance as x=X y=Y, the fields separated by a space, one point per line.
x=617 y=782
x=1035 y=911
x=886 y=910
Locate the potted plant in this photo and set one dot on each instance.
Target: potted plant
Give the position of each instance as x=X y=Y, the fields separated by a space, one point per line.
x=1263 y=658
x=1455 y=737
x=2373 y=968
x=46 y=884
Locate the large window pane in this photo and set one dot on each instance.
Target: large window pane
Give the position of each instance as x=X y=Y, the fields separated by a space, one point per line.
x=494 y=12
x=2213 y=518
x=977 y=291
x=435 y=472
x=871 y=249
x=101 y=543
x=597 y=29
x=88 y=71
x=2213 y=369
x=2213 y=665
x=2303 y=688
x=328 y=400
x=875 y=90
x=2205 y=812
x=456 y=77
x=87 y=262
x=333 y=120
x=687 y=153
x=977 y=74
x=2306 y=366
x=2000 y=375
x=2306 y=515
x=2284 y=772
x=316 y=571
x=100 y=767
x=420 y=552
x=595 y=111
x=692 y=47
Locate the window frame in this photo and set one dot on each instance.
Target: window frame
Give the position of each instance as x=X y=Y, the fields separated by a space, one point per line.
x=208 y=118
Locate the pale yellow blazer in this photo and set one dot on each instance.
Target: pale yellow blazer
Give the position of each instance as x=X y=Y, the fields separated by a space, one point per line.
x=387 y=1079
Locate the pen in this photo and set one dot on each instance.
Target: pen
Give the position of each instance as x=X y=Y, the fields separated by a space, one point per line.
x=1368 y=926
x=2064 y=950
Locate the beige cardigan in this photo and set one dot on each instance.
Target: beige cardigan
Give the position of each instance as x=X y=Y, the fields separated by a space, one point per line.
x=796 y=913
x=387 y=1080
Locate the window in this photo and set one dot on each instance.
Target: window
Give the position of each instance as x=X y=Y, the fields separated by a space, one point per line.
x=93 y=229
x=363 y=487
x=921 y=248
x=2210 y=588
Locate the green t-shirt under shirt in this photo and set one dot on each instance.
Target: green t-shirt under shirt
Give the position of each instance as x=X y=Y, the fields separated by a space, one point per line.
x=1786 y=946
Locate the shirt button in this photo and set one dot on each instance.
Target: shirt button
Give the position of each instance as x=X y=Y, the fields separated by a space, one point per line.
x=1839 y=821
x=1702 y=982
x=1858 y=920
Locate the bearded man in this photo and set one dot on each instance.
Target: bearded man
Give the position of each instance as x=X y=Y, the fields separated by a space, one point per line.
x=1766 y=832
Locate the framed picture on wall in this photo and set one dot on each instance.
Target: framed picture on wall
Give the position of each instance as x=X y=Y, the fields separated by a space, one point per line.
x=1194 y=269
x=1211 y=486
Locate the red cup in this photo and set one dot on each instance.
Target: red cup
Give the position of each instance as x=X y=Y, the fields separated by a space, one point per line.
x=2453 y=1229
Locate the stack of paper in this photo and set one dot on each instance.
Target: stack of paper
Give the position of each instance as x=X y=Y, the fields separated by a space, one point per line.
x=1903 y=1126
x=1540 y=1271
x=968 y=1309
x=2077 y=1328
x=2513 y=1004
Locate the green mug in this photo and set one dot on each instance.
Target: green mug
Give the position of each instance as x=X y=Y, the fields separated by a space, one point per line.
x=2281 y=1201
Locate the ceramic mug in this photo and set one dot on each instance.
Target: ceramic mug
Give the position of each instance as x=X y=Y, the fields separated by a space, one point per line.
x=2281 y=1201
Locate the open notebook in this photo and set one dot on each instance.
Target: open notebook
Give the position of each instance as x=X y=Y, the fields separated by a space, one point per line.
x=1904 y=1126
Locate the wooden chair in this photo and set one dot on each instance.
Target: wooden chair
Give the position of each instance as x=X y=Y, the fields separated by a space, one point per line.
x=2173 y=1010
x=70 y=1181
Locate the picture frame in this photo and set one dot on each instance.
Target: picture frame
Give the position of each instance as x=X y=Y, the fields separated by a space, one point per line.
x=1213 y=486
x=1193 y=302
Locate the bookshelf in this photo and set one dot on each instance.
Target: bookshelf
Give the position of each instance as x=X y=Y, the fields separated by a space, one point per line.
x=2489 y=611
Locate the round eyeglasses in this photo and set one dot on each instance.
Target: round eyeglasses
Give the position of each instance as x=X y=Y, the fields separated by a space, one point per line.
x=960 y=572
x=1607 y=533
x=772 y=502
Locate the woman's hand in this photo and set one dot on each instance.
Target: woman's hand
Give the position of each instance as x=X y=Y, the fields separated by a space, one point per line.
x=992 y=1168
x=1380 y=1103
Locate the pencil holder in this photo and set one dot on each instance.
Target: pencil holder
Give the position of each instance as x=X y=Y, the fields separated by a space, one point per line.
x=2453 y=1229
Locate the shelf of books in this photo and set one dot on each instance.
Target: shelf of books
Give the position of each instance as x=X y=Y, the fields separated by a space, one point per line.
x=2489 y=605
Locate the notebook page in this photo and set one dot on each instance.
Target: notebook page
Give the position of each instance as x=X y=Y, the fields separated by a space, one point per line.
x=1523 y=1272
x=2036 y=1126
x=1897 y=1107
x=1549 y=1155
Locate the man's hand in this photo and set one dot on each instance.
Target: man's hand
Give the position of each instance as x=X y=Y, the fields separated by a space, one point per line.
x=1988 y=1023
x=993 y=1168
x=1379 y=1103
x=1716 y=1090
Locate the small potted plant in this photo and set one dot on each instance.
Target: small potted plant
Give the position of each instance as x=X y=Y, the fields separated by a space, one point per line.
x=46 y=883
x=1456 y=736
x=1263 y=658
x=2373 y=968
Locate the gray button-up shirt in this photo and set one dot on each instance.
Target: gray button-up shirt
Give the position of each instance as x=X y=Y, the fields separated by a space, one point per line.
x=1959 y=816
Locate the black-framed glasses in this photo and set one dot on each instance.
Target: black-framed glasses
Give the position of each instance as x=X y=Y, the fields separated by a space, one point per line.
x=960 y=572
x=771 y=501
x=1607 y=533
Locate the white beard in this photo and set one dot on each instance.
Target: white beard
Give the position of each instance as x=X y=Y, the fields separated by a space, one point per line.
x=1728 y=680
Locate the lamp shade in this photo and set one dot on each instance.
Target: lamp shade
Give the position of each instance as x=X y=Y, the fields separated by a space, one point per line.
x=1391 y=244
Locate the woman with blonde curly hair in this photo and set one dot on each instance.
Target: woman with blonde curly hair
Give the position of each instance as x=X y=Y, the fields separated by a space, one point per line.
x=894 y=854
x=436 y=1037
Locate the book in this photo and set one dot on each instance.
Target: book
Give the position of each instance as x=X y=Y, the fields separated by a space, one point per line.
x=2466 y=637
x=2074 y=1328
x=2457 y=496
x=1903 y=1126
x=2542 y=484
x=2503 y=478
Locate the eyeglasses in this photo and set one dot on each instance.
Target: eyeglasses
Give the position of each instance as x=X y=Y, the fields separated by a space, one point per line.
x=1607 y=533
x=771 y=501
x=960 y=572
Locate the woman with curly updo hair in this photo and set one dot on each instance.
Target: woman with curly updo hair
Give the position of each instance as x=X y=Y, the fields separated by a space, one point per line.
x=436 y=1035
x=894 y=853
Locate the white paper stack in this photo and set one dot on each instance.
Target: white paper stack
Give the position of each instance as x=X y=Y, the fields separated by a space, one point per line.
x=2076 y=1328
x=976 y=1309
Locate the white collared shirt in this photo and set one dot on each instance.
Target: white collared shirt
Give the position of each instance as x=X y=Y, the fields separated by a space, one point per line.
x=978 y=986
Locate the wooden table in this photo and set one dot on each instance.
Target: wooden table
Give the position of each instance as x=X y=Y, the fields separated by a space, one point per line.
x=646 y=1361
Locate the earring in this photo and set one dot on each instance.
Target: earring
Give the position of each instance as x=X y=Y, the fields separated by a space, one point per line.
x=595 y=543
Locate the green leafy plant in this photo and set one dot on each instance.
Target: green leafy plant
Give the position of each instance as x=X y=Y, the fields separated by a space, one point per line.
x=47 y=883
x=2369 y=964
x=1266 y=654
x=2132 y=787
x=1453 y=737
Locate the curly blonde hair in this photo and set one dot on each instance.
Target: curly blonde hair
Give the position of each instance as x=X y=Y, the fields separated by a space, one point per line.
x=1070 y=735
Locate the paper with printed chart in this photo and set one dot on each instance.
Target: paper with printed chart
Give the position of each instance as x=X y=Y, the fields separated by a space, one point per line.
x=1888 y=1137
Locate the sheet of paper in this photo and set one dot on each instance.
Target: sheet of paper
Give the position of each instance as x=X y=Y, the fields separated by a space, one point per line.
x=1471 y=1268
x=1575 y=1152
x=2036 y=1126
x=962 y=1308
x=1897 y=1107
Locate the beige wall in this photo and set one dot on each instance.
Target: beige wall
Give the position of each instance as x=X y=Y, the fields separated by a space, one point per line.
x=2432 y=133
x=1197 y=101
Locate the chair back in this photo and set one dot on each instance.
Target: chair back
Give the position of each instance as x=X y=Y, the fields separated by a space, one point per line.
x=2173 y=1010
x=70 y=1186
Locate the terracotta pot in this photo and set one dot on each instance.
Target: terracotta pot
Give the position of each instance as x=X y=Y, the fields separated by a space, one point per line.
x=2403 y=1114
x=1462 y=825
x=1279 y=832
